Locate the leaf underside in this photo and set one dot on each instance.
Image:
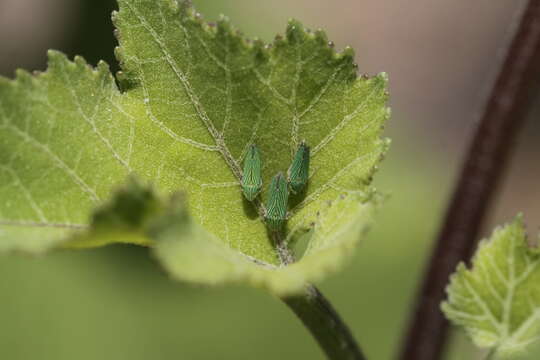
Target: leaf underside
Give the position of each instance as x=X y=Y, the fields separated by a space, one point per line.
x=193 y=97
x=497 y=301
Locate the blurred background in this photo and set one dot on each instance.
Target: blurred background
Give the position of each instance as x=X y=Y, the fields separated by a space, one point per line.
x=115 y=303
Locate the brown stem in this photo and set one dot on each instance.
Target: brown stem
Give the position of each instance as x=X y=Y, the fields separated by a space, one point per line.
x=503 y=116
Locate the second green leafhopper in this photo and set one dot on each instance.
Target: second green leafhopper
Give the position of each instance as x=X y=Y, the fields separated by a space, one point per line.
x=298 y=172
x=275 y=212
x=251 y=178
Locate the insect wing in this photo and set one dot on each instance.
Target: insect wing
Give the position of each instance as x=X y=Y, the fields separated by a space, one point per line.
x=298 y=172
x=276 y=205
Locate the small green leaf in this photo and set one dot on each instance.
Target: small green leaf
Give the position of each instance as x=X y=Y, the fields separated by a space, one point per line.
x=497 y=301
x=193 y=99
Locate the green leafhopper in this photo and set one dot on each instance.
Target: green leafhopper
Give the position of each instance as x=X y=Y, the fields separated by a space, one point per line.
x=275 y=212
x=251 y=178
x=298 y=172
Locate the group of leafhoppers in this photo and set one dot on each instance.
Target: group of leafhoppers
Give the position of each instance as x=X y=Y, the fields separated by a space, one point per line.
x=275 y=209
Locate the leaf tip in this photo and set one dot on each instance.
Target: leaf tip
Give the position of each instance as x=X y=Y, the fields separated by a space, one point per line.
x=55 y=55
x=23 y=76
x=295 y=32
x=386 y=143
x=119 y=55
x=321 y=37
x=348 y=52
x=114 y=16
x=224 y=26
x=383 y=76
x=80 y=61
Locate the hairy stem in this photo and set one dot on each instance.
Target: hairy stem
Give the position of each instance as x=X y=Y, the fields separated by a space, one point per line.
x=318 y=315
x=503 y=116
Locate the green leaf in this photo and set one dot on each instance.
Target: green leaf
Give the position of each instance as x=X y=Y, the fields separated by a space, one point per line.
x=190 y=253
x=497 y=301
x=194 y=96
x=137 y=214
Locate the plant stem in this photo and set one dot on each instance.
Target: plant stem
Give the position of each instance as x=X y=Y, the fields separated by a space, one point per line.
x=503 y=116
x=318 y=315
